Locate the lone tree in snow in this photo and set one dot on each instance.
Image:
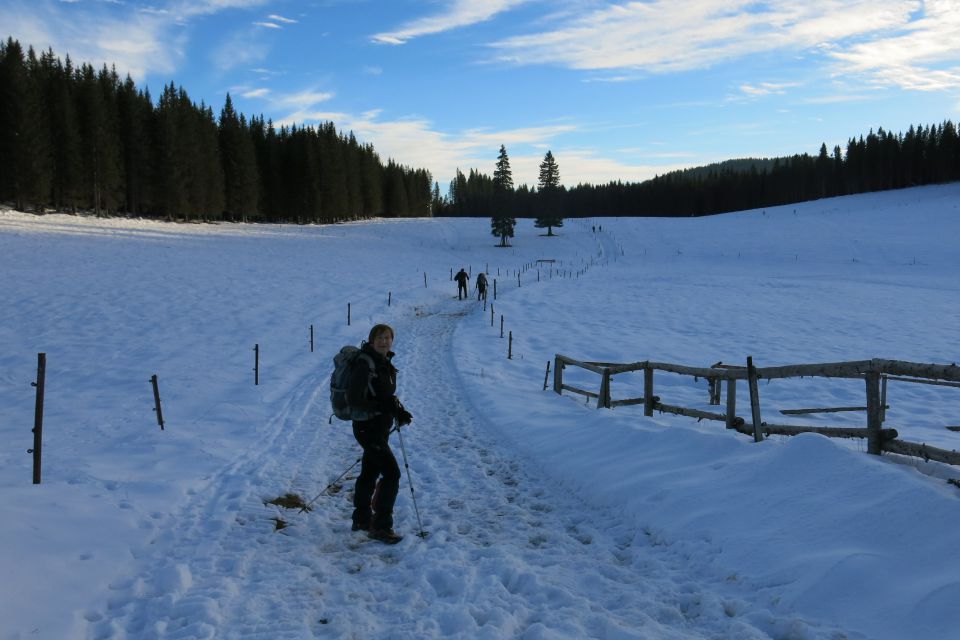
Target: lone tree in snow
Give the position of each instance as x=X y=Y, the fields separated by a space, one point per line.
x=502 y=223
x=549 y=198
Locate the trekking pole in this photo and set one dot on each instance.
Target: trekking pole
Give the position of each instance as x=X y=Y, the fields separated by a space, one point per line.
x=327 y=488
x=403 y=449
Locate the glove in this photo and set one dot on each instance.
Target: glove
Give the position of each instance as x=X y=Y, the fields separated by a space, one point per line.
x=404 y=418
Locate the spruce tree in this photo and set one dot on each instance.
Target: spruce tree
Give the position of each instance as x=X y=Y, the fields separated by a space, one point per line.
x=548 y=184
x=57 y=81
x=502 y=223
x=240 y=176
x=25 y=153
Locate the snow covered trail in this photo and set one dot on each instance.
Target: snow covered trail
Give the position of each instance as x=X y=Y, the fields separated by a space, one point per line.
x=507 y=555
x=193 y=574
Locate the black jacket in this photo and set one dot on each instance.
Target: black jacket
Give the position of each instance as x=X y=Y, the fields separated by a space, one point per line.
x=374 y=394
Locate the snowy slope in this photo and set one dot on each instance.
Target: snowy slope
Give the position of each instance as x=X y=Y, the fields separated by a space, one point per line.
x=547 y=518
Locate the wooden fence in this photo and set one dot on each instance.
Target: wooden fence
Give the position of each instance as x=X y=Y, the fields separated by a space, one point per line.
x=875 y=374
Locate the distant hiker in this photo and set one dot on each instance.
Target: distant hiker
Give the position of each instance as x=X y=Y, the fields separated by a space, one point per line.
x=462 y=278
x=481 y=286
x=379 y=480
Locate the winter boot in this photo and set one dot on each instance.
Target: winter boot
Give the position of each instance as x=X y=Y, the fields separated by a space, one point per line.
x=387 y=536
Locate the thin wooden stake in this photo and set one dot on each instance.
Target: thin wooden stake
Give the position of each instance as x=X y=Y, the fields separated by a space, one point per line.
x=546 y=376
x=731 y=403
x=38 y=417
x=256 y=364
x=156 y=399
x=874 y=413
x=311 y=338
x=648 y=400
x=348 y=314
x=510 y=347
x=754 y=399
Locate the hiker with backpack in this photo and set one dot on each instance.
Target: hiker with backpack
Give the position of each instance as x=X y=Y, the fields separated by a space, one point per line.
x=372 y=398
x=462 y=278
x=481 y=286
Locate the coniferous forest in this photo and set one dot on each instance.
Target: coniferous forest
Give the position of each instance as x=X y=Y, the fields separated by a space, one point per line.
x=882 y=160
x=77 y=139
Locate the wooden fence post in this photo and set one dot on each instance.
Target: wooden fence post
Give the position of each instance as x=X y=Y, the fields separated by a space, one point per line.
x=424 y=279
x=874 y=411
x=510 y=347
x=558 y=375
x=714 y=387
x=501 y=325
x=156 y=399
x=389 y=297
x=348 y=314
x=311 y=338
x=546 y=376
x=495 y=287
x=883 y=399
x=754 y=399
x=38 y=417
x=648 y=391
x=603 y=402
x=256 y=364
x=731 y=403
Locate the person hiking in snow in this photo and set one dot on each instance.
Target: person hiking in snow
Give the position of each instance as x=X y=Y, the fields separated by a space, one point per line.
x=462 y=278
x=379 y=480
x=481 y=286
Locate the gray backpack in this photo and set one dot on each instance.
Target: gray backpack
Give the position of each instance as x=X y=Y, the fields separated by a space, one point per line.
x=343 y=364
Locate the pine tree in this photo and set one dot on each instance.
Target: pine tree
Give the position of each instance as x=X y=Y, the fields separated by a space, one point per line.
x=135 y=118
x=549 y=195
x=502 y=223
x=26 y=171
x=502 y=175
x=57 y=82
x=240 y=176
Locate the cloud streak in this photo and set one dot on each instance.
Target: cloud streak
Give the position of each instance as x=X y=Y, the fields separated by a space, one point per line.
x=895 y=42
x=461 y=13
x=415 y=142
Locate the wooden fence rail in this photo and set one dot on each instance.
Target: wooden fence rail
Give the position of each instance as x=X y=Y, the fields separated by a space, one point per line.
x=875 y=373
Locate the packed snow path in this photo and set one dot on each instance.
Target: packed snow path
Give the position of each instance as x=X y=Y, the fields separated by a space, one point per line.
x=507 y=555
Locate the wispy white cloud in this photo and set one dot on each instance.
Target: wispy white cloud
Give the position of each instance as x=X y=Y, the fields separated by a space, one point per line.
x=255 y=93
x=664 y=36
x=924 y=55
x=761 y=89
x=238 y=50
x=274 y=21
x=461 y=13
x=300 y=105
x=415 y=141
x=136 y=42
x=908 y=43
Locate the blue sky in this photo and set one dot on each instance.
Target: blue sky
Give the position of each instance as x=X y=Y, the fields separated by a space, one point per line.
x=616 y=90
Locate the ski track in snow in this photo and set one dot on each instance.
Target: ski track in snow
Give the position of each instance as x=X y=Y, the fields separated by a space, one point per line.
x=517 y=557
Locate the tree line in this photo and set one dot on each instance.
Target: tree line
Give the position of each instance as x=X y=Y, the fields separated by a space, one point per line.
x=77 y=139
x=883 y=160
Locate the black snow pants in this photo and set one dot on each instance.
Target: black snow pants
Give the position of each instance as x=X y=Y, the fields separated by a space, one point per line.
x=378 y=464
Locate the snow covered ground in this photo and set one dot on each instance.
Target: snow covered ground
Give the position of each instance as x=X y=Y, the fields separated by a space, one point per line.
x=547 y=518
